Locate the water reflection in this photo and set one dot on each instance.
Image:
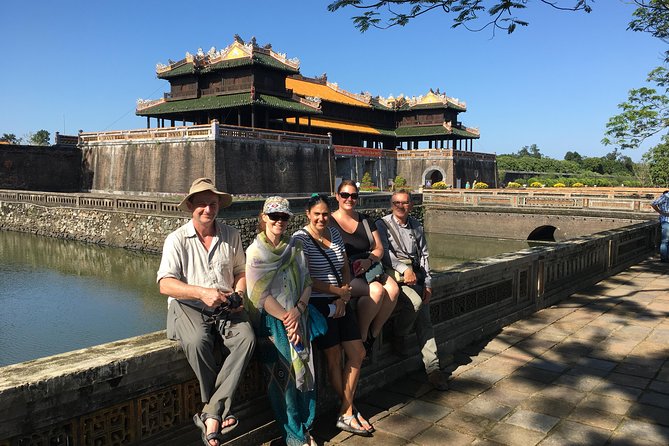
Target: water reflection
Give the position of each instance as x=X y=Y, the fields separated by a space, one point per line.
x=447 y=250
x=60 y=295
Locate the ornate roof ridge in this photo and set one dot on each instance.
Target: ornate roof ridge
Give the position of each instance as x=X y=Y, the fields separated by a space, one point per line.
x=431 y=97
x=365 y=97
x=237 y=49
x=321 y=80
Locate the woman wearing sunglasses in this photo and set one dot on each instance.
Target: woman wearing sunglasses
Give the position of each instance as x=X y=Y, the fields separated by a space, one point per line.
x=376 y=291
x=331 y=294
x=279 y=288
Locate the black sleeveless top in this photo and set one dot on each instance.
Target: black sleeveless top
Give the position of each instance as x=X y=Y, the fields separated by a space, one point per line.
x=358 y=242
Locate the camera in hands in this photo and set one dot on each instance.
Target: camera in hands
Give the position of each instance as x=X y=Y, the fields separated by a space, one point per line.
x=234 y=301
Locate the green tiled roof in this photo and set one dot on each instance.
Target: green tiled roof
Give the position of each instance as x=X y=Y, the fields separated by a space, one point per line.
x=187 y=68
x=431 y=130
x=285 y=104
x=423 y=130
x=226 y=101
x=456 y=106
x=269 y=61
x=386 y=132
x=258 y=58
x=465 y=133
x=203 y=103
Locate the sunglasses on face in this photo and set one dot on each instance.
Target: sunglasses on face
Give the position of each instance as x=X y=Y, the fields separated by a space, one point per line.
x=276 y=216
x=345 y=195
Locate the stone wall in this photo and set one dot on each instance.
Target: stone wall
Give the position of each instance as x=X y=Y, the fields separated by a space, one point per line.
x=273 y=167
x=141 y=390
x=42 y=168
x=149 y=166
x=238 y=165
x=417 y=166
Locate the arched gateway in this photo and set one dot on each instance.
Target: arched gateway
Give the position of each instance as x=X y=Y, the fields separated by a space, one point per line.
x=433 y=174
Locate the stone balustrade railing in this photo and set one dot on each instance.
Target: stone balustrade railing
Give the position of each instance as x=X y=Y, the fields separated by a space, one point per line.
x=164 y=205
x=590 y=199
x=141 y=390
x=209 y=131
x=429 y=153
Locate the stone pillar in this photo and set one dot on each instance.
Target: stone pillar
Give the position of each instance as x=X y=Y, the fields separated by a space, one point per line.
x=214 y=129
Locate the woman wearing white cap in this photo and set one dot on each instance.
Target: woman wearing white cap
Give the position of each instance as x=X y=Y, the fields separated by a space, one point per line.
x=279 y=288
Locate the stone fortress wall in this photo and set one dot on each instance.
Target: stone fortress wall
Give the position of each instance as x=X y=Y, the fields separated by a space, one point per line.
x=45 y=168
x=238 y=166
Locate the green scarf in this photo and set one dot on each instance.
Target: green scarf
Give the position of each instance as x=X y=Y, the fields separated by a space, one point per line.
x=282 y=272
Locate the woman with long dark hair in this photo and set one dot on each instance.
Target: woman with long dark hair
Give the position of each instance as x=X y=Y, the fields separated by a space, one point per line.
x=376 y=292
x=331 y=295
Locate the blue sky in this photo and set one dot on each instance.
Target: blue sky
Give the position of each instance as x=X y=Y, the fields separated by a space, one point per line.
x=74 y=65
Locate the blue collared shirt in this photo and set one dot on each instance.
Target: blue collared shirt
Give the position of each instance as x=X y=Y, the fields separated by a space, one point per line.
x=662 y=204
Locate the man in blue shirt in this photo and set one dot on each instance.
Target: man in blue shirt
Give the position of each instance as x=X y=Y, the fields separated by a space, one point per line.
x=661 y=206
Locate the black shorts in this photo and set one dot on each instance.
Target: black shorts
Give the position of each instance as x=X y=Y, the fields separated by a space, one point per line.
x=340 y=329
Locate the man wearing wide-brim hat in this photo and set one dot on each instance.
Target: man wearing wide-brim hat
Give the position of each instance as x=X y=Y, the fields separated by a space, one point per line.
x=202 y=266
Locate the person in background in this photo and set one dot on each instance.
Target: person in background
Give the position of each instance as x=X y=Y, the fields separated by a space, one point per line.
x=376 y=296
x=406 y=256
x=202 y=272
x=279 y=287
x=331 y=295
x=661 y=206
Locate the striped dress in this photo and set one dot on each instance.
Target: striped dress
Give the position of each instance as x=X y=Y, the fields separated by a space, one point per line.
x=319 y=267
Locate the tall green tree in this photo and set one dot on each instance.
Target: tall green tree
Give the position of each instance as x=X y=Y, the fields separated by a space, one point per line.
x=657 y=160
x=39 y=138
x=573 y=156
x=644 y=114
x=651 y=17
x=10 y=138
x=646 y=111
x=474 y=15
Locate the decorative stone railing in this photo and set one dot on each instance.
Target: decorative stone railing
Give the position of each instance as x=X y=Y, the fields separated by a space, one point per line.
x=161 y=133
x=141 y=390
x=209 y=131
x=66 y=140
x=273 y=135
x=429 y=153
x=591 y=199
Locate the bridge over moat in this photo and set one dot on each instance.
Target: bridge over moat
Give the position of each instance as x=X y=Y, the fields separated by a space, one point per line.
x=141 y=389
x=544 y=214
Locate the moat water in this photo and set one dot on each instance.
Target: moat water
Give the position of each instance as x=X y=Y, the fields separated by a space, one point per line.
x=60 y=295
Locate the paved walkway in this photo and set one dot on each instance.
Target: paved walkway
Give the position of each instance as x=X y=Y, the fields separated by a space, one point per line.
x=592 y=370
